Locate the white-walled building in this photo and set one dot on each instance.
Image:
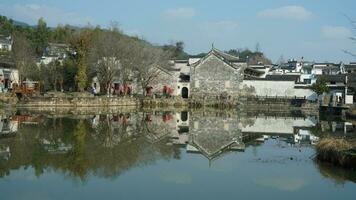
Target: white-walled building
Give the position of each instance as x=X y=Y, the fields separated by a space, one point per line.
x=6 y=43
x=55 y=51
x=8 y=77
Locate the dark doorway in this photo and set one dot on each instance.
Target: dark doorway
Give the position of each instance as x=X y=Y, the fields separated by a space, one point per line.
x=185 y=93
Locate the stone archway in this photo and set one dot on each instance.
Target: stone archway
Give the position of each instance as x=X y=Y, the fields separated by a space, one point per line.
x=185 y=93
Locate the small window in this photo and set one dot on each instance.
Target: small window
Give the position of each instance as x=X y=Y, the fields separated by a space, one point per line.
x=227 y=84
x=332 y=82
x=196 y=125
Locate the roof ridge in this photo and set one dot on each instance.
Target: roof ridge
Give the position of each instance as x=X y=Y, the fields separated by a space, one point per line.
x=224 y=54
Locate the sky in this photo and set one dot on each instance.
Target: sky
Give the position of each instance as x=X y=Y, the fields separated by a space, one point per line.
x=318 y=30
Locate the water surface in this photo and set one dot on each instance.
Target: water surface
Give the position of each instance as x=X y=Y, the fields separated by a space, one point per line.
x=203 y=154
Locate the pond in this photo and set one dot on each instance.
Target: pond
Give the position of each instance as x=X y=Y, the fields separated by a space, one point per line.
x=169 y=154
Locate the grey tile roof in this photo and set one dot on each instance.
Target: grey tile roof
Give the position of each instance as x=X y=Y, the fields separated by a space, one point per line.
x=276 y=78
x=5 y=40
x=225 y=56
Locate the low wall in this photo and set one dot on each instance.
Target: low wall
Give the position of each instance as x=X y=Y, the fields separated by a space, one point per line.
x=276 y=88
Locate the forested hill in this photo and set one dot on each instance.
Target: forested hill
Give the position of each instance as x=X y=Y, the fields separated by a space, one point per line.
x=39 y=35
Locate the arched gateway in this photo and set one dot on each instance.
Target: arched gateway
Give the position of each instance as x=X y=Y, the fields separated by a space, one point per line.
x=185 y=93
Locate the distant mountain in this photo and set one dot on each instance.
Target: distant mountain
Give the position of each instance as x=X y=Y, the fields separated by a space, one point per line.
x=19 y=23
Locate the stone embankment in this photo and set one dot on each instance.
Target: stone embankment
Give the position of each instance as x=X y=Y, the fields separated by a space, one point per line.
x=81 y=101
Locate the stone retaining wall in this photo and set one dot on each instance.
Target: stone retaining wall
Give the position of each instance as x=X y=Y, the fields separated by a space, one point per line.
x=79 y=102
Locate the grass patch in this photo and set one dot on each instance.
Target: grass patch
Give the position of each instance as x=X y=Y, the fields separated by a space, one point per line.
x=336 y=151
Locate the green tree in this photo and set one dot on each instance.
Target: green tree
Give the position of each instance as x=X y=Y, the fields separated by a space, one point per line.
x=81 y=44
x=176 y=50
x=41 y=36
x=6 y=26
x=61 y=34
x=70 y=71
x=320 y=86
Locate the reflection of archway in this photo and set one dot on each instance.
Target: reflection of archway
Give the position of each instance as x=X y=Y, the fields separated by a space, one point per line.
x=184 y=116
x=184 y=92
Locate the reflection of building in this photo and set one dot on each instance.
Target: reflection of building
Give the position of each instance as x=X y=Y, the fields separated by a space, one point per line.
x=159 y=125
x=112 y=129
x=295 y=129
x=269 y=125
x=55 y=147
x=8 y=127
x=304 y=136
x=27 y=119
x=207 y=134
x=213 y=135
x=337 y=128
x=4 y=152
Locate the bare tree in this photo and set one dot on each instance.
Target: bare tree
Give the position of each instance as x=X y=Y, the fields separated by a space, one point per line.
x=147 y=63
x=24 y=57
x=353 y=37
x=56 y=72
x=105 y=58
x=115 y=56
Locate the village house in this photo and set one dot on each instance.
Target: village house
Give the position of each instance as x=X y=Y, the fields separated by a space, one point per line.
x=261 y=68
x=350 y=68
x=292 y=66
x=55 y=51
x=339 y=93
x=306 y=74
x=161 y=81
x=163 y=85
x=6 y=43
x=217 y=75
x=9 y=75
x=327 y=68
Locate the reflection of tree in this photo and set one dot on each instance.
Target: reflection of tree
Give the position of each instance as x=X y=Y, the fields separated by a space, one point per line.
x=156 y=126
x=113 y=129
x=78 y=162
x=74 y=148
x=339 y=175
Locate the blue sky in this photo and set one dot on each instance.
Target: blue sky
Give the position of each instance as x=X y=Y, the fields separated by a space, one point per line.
x=314 y=29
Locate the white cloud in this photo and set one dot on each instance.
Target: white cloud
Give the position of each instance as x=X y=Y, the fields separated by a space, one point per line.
x=179 y=13
x=30 y=13
x=224 y=25
x=285 y=184
x=335 y=32
x=287 y=12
